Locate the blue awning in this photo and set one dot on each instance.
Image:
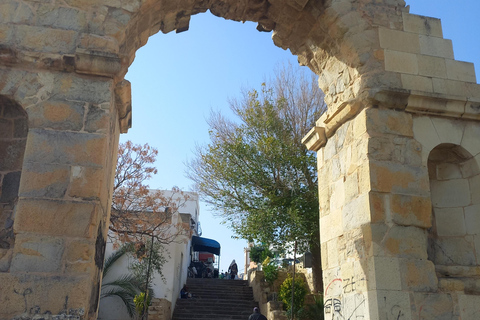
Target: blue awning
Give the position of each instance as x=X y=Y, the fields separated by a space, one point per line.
x=205 y=245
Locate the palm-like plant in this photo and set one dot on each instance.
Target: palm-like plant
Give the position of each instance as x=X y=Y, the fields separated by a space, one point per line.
x=126 y=287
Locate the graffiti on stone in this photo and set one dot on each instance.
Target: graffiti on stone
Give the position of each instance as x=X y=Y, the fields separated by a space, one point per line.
x=341 y=302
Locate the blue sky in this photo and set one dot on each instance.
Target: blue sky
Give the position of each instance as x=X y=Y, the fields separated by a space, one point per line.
x=178 y=78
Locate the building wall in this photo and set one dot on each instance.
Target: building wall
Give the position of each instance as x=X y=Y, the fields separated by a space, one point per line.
x=174 y=270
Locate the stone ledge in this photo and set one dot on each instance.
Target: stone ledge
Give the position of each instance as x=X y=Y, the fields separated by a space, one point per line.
x=315 y=139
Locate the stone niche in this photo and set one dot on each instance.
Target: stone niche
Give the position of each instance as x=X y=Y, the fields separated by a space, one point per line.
x=13 y=136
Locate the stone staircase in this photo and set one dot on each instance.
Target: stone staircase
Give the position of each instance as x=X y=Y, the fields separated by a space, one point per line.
x=216 y=299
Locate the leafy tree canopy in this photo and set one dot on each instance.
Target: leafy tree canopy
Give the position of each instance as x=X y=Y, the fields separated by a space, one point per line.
x=255 y=172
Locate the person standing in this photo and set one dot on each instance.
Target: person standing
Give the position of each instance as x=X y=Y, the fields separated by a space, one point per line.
x=233 y=269
x=256 y=315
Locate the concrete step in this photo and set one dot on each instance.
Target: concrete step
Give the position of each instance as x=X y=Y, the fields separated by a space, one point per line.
x=216 y=299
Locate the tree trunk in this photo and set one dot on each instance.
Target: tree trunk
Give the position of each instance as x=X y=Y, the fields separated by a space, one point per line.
x=317 y=273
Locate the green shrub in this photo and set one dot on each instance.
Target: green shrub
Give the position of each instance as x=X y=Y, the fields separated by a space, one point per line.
x=299 y=294
x=139 y=301
x=312 y=311
x=259 y=254
x=270 y=271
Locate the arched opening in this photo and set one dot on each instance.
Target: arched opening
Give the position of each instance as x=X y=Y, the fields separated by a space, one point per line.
x=13 y=137
x=455 y=194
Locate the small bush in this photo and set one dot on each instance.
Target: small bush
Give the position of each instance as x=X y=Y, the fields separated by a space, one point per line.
x=312 y=311
x=270 y=271
x=139 y=301
x=299 y=294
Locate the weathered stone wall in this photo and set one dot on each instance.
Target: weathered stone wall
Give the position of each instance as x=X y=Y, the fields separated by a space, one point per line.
x=63 y=196
x=398 y=220
x=383 y=71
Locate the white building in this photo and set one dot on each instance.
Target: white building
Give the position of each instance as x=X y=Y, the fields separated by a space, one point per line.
x=174 y=270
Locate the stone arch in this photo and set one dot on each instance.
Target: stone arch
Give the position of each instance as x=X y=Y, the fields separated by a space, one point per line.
x=337 y=40
x=455 y=193
x=13 y=137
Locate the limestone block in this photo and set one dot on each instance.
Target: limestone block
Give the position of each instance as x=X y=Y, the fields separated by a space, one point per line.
x=378 y=206
x=331 y=226
x=337 y=198
x=79 y=256
x=472 y=219
x=438 y=47
x=34 y=295
x=430 y=66
x=402 y=62
x=380 y=148
x=332 y=254
x=449 y=131
x=470 y=167
x=48 y=39
x=469 y=306
x=418 y=83
x=85 y=182
x=452 y=251
x=13 y=11
x=476 y=241
x=356 y=212
x=61 y=17
x=373 y=235
x=359 y=124
x=57 y=115
x=446 y=284
x=364 y=182
x=459 y=70
x=62 y=147
x=448 y=171
x=389 y=121
x=384 y=274
x=5 y=259
x=424 y=132
x=406 y=242
x=450 y=193
x=337 y=166
x=329 y=149
x=323 y=248
x=324 y=201
x=422 y=25
x=399 y=179
x=432 y=306
x=44 y=180
x=475 y=189
x=351 y=187
x=11 y=154
x=70 y=218
x=69 y=87
x=418 y=275
x=37 y=254
x=390 y=305
x=450 y=222
x=396 y=40
x=470 y=140
x=451 y=87
x=97 y=119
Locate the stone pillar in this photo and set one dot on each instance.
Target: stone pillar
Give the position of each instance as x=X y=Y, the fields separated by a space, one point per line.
x=399 y=183
x=62 y=209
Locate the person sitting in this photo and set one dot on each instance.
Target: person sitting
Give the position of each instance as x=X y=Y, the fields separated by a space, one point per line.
x=184 y=294
x=256 y=315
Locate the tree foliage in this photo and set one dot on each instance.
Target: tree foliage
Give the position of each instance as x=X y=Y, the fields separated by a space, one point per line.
x=255 y=172
x=138 y=212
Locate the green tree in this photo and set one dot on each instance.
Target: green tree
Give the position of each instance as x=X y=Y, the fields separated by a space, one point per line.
x=125 y=287
x=256 y=173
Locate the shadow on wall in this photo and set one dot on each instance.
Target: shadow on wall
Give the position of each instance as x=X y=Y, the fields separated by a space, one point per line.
x=13 y=138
